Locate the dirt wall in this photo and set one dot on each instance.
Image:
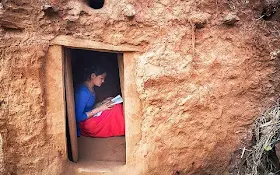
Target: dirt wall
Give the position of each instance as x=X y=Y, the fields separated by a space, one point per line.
x=202 y=78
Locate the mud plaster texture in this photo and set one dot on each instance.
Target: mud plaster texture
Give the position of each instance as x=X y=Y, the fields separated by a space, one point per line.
x=201 y=82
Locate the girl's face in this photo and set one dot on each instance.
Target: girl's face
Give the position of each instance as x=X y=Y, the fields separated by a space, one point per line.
x=98 y=80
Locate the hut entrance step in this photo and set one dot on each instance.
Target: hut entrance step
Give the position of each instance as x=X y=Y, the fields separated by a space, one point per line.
x=102 y=149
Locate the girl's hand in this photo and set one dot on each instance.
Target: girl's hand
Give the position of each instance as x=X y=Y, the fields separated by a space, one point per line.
x=107 y=99
x=107 y=105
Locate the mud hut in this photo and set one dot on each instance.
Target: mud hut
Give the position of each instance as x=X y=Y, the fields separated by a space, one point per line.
x=193 y=75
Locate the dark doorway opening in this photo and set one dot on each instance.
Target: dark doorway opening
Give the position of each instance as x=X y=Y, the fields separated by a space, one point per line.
x=90 y=149
x=82 y=59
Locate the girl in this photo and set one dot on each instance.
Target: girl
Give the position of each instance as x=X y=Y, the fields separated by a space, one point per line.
x=89 y=120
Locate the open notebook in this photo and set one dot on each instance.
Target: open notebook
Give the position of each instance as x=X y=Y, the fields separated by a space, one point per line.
x=116 y=100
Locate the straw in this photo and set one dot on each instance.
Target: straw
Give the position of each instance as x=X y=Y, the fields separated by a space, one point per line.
x=266 y=130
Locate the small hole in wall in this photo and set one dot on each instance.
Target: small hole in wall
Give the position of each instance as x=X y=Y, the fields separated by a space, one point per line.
x=96 y=4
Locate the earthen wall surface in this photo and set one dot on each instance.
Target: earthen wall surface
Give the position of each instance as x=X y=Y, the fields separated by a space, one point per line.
x=201 y=82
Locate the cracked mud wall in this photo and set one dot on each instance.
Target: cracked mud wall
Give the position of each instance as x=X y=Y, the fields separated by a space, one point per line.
x=200 y=88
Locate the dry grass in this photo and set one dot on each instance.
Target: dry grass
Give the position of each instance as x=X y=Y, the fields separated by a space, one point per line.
x=258 y=159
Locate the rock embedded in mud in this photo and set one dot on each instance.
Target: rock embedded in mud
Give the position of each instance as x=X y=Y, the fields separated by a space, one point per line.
x=74 y=11
x=49 y=10
x=275 y=54
x=129 y=11
x=199 y=19
x=230 y=19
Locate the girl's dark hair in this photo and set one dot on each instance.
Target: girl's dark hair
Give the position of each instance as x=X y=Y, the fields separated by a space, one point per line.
x=96 y=69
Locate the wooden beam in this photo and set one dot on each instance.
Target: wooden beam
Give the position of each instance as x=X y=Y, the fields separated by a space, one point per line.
x=72 y=42
x=55 y=103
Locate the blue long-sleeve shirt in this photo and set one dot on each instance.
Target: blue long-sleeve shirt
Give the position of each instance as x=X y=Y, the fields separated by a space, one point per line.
x=84 y=102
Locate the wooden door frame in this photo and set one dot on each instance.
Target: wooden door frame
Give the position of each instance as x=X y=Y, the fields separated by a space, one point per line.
x=70 y=103
x=132 y=105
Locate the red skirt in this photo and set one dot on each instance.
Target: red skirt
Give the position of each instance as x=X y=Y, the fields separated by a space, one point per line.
x=109 y=123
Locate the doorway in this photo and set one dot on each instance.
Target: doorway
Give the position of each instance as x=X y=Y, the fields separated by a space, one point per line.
x=55 y=85
x=88 y=149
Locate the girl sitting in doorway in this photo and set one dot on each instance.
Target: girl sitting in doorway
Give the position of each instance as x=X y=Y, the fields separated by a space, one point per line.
x=89 y=120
